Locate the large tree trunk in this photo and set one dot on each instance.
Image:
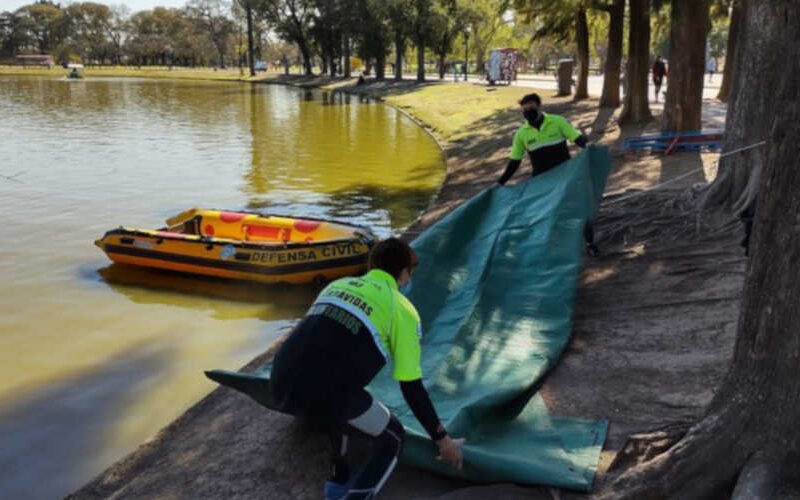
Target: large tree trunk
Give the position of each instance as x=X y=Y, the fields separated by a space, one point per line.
x=751 y=107
x=730 y=52
x=749 y=431
x=441 y=66
x=249 y=11
x=687 y=61
x=399 y=48
x=582 y=39
x=616 y=31
x=637 y=107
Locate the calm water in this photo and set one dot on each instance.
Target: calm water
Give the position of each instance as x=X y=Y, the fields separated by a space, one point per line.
x=95 y=358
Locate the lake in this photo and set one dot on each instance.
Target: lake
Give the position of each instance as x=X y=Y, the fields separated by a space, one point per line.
x=95 y=358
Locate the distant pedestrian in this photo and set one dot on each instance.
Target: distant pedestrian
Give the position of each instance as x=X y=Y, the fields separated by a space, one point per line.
x=711 y=67
x=659 y=72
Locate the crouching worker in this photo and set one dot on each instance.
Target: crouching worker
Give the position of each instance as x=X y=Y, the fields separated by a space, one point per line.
x=352 y=330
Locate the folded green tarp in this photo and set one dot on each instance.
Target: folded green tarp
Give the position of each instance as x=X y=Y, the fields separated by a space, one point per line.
x=495 y=289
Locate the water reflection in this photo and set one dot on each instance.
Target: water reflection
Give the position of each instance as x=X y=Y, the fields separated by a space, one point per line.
x=148 y=286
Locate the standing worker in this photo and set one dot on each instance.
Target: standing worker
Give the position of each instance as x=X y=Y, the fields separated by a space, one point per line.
x=544 y=136
x=352 y=330
x=659 y=72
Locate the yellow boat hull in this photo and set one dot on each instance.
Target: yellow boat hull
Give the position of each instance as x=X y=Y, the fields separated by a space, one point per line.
x=267 y=252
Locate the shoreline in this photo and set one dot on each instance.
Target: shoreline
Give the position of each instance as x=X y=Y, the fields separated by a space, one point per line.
x=225 y=445
x=159 y=72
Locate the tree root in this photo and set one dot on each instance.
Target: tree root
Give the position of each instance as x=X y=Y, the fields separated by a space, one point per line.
x=642 y=448
x=702 y=464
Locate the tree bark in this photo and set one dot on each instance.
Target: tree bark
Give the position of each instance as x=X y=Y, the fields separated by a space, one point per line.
x=249 y=11
x=752 y=419
x=420 y=62
x=730 y=52
x=399 y=49
x=380 y=67
x=687 y=61
x=751 y=107
x=582 y=40
x=421 y=19
x=610 y=96
x=637 y=107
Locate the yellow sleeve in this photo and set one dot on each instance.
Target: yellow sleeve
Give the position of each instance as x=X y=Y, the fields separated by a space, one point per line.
x=568 y=130
x=517 y=147
x=405 y=344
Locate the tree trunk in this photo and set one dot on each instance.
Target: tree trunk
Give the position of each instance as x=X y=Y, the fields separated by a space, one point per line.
x=752 y=420
x=251 y=62
x=380 y=67
x=420 y=61
x=751 y=108
x=441 y=66
x=324 y=68
x=582 y=39
x=683 y=105
x=399 y=49
x=306 y=56
x=610 y=96
x=637 y=107
x=730 y=52
x=346 y=51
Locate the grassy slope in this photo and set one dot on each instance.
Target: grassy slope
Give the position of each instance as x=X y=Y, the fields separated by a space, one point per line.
x=451 y=109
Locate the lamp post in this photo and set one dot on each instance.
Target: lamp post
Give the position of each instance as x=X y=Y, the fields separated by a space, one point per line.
x=467 y=30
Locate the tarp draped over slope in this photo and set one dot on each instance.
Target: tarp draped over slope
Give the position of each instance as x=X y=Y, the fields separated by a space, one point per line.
x=495 y=288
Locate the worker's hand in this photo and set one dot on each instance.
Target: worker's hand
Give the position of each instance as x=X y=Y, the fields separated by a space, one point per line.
x=450 y=451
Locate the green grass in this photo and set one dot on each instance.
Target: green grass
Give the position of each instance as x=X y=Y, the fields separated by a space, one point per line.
x=451 y=110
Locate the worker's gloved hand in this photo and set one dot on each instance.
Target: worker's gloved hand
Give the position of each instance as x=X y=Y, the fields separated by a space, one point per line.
x=450 y=451
x=582 y=141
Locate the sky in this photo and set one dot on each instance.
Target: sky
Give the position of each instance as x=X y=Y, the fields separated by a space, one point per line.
x=134 y=5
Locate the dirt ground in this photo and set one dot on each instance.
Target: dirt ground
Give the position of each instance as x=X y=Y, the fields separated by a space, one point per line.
x=653 y=332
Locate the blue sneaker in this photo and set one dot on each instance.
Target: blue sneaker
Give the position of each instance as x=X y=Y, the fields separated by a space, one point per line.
x=335 y=491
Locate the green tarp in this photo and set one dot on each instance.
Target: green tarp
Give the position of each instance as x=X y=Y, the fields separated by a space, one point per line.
x=495 y=288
